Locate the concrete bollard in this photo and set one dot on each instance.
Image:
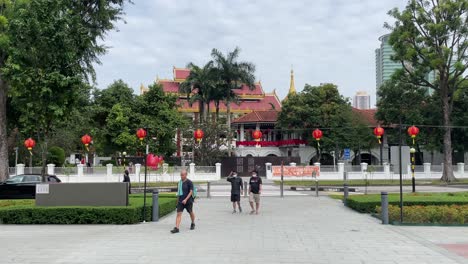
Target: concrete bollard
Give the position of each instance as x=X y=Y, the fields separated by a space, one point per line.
x=346 y=192
x=245 y=189
x=155 y=205
x=208 y=190
x=384 y=199
x=316 y=188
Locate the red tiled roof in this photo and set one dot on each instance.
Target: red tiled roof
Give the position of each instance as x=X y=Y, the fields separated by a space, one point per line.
x=368 y=115
x=258 y=117
x=169 y=86
x=258 y=90
x=181 y=74
x=262 y=104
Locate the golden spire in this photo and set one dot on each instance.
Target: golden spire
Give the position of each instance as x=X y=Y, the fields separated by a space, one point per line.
x=292 y=88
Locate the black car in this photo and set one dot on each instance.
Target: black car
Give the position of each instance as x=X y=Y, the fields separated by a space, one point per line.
x=23 y=186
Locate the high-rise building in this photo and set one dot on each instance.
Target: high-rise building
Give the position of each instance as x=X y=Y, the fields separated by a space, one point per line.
x=384 y=65
x=361 y=100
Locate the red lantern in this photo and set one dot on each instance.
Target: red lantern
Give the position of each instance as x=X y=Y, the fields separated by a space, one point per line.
x=317 y=134
x=198 y=134
x=29 y=144
x=141 y=134
x=413 y=132
x=257 y=135
x=152 y=161
x=378 y=132
x=86 y=140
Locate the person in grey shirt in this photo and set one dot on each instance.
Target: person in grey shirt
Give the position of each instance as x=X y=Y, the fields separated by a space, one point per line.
x=236 y=189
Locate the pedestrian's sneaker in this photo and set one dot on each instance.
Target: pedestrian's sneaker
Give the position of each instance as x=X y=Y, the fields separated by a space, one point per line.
x=175 y=230
x=240 y=209
x=252 y=212
x=234 y=211
x=192 y=226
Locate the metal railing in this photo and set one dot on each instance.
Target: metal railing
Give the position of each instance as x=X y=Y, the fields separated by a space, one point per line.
x=205 y=169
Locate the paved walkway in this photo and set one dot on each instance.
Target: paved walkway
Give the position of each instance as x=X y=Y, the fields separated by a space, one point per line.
x=301 y=229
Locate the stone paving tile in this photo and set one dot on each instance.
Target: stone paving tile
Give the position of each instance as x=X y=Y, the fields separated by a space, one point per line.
x=301 y=229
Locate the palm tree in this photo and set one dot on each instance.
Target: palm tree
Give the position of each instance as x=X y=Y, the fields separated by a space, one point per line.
x=232 y=75
x=199 y=86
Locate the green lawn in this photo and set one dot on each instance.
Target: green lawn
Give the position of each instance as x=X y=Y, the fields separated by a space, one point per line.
x=368 y=203
x=394 y=182
x=160 y=184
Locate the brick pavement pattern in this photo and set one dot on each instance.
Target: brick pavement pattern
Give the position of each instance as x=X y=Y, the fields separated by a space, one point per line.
x=301 y=229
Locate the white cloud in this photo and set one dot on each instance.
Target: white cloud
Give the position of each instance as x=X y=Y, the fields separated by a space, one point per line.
x=325 y=40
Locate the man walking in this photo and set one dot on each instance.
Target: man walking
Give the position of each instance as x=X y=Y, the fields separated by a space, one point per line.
x=255 y=189
x=236 y=190
x=185 y=194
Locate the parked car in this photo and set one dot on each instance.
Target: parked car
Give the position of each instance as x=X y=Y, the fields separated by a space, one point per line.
x=23 y=186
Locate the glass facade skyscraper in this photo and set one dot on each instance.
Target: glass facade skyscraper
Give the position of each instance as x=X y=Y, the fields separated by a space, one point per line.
x=384 y=65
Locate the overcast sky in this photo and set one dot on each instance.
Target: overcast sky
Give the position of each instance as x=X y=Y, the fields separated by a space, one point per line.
x=324 y=40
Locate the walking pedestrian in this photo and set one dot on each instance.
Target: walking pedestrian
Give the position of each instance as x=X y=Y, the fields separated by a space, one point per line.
x=185 y=191
x=255 y=189
x=127 y=179
x=236 y=190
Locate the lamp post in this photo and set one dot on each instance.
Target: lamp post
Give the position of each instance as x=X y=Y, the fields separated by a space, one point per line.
x=29 y=144
x=317 y=134
x=413 y=151
x=378 y=132
x=141 y=134
x=124 y=154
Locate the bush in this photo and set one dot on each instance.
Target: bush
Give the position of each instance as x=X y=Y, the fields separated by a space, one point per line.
x=25 y=212
x=56 y=156
x=453 y=214
x=368 y=203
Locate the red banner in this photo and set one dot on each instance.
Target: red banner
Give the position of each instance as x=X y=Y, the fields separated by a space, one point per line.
x=299 y=171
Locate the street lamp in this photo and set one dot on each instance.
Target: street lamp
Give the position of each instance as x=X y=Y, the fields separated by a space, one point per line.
x=413 y=151
x=29 y=144
x=124 y=154
x=141 y=134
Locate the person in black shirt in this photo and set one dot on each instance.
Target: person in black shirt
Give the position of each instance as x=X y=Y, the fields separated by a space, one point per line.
x=255 y=189
x=127 y=179
x=185 y=201
x=236 y=190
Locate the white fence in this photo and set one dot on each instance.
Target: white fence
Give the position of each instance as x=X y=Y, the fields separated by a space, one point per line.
x=110 y=173
x=385 y=172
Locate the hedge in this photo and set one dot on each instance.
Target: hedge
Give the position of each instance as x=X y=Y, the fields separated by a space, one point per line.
x=25 y=212
x=368 y=203
x=453 y=214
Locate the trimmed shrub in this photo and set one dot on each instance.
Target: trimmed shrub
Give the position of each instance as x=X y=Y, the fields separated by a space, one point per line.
x=368 y=203
x=453 y=214
x=56 y=156
x=25 y=212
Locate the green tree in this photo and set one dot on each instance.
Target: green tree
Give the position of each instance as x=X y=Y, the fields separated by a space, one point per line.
x=199 y=87
x=431 y=36
x=325 y=108
x=56 y=156
x=232 y=75
x=53 y=45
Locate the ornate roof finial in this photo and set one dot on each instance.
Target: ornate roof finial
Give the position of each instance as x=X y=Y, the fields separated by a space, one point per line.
x=292 y=88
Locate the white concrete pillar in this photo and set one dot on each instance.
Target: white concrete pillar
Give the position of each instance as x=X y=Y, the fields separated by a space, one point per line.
x=461 y=169
x=427 y=169
x=218 y=171
x=387 y=170
x=19 y=169
x=363 y=167
x=192 y=170
x=80 y=170
x=340 y=170
x=292 y=164
x=242 y=135
x=269 y=170
x=109 y=170
x=51 y=169
x=137 y=170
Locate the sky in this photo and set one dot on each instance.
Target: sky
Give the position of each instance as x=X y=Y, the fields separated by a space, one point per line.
x=324 y=41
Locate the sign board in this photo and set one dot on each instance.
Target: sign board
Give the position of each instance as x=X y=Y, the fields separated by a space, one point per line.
x=296 y=171
x=42 y=188
x=347 y=154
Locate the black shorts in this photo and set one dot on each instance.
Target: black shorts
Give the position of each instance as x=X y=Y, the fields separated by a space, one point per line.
x=235 y=197
x=188 y=206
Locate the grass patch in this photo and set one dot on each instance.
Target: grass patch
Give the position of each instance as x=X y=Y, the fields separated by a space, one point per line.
x=368 y=203
x=25 y=212
x=395 y=182
x=160 y=184
x=431 y=214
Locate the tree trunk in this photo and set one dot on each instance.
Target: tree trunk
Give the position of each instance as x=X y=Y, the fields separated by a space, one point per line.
x=228 y=112
x=3 y=132
x=217 y=111
x=201 y=112
x=447 y=175
x=208 y=120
